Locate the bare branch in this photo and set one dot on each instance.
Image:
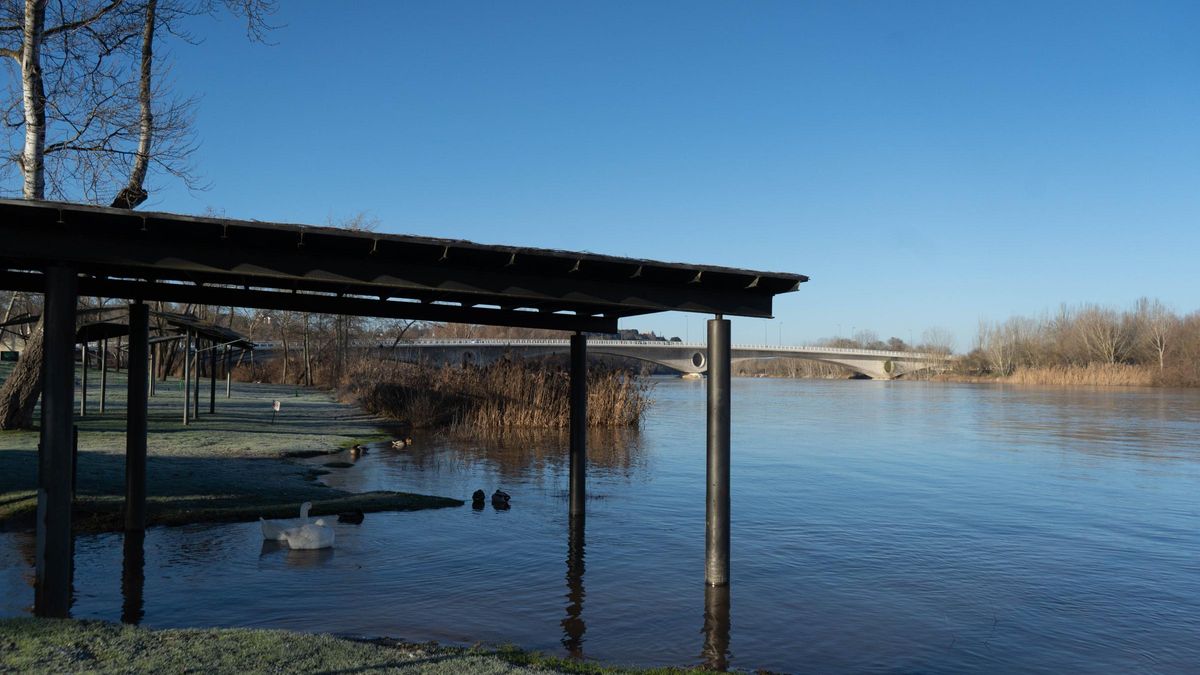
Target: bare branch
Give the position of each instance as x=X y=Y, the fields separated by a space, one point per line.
x=72 y=25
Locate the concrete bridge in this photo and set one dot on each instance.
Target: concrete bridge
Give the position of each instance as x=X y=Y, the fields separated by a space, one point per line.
x=685 y=357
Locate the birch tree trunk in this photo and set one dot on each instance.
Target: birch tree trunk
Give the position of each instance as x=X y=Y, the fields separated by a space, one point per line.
x=134 y=192
x=23 y=387
x=283 y=338
x=33 y=159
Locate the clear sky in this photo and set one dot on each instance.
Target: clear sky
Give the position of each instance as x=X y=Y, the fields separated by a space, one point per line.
x=926 y=163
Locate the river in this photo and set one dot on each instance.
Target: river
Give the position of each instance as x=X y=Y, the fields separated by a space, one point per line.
x=877 y=526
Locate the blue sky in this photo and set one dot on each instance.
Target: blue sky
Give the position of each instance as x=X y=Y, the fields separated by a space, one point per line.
x=927 y=164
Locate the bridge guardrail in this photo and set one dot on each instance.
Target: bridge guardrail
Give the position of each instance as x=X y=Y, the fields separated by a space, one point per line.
x=652 y=344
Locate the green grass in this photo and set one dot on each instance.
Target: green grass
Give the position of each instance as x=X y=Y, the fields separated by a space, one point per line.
x=57 y=646
x=229 y=466
x=104 y=513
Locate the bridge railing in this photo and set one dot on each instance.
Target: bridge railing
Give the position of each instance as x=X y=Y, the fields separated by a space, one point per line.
x=653 y=344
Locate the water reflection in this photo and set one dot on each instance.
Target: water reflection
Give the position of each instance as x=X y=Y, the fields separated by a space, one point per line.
x=716 y=628
x=297 y=558
x=573 y=625
x=1149 y=425
x=521 y=452
x=133 y=578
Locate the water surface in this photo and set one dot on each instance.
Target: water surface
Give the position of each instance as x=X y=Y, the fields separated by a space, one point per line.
x=876 y=527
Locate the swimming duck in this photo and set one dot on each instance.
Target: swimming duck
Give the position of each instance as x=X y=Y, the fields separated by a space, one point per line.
x=272 y=530
x=500 y=499
x=355 y=517
x=477 y=499
x=314 y=535
x=398 y=443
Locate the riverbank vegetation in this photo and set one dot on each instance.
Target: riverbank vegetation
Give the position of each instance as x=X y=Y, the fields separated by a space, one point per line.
x=510 y=393
x=67 y=646
x=1147 y=344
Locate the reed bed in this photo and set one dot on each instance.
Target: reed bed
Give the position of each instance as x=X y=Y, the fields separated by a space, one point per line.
x=502 y=395
x=1093 y=374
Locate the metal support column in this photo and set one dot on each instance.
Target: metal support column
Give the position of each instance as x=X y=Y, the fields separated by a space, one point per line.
x=154 y=370
x=103 y=373
x=573 y=624
x=716 y=628
x=83 y=349
x=212 y=379
x=717 y=514
x=196 y=381
x=187 y=377
x=578 y=424
x=135 y=418
x=228 y=374
x=52 y=590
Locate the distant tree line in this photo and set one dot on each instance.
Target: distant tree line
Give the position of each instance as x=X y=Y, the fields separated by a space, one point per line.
x=1148 y=335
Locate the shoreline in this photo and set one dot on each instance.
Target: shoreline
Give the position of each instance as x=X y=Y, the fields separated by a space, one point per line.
x=231 y=466
x=71 y=645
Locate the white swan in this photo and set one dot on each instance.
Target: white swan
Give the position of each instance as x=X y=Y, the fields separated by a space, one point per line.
x=272 y=530
x=316 y=534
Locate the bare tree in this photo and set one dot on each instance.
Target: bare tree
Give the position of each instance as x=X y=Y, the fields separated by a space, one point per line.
x=1103 y=334
x=86 y=126
x=1157 y=323
x=937 y=341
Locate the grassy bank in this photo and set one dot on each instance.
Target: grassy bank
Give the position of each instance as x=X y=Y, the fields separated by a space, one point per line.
x=505 y=394
x=229 y=466
x=58 y=646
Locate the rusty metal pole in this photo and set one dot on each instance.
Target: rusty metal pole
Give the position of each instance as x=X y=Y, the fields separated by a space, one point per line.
x=717 y=511
x=578 y=477
x=52 y=588
x=135 y=417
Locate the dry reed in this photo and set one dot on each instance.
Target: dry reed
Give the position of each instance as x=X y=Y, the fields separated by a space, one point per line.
x=1093 y=374
x=504 y=394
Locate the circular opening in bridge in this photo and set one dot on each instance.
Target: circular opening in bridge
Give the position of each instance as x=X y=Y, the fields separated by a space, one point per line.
x=698 y=360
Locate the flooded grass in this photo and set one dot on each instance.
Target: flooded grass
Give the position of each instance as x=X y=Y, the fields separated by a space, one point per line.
x=229 y=466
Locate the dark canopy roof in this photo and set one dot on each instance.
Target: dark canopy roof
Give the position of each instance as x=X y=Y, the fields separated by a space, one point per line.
x=209 y=331
x=162 y=256
x=107 y=328
x=104 y=330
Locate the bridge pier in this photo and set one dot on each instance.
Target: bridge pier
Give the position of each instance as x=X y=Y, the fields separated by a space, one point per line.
x=578 y=478
x=717 y=512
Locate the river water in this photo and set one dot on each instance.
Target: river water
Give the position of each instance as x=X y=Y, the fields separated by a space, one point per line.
x=877 y=526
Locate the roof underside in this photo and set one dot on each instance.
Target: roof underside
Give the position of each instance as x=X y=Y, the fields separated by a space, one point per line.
x=168 y=257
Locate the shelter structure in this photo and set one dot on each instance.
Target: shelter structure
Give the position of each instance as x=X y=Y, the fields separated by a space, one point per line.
x=67 y=250
x=98 y=325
